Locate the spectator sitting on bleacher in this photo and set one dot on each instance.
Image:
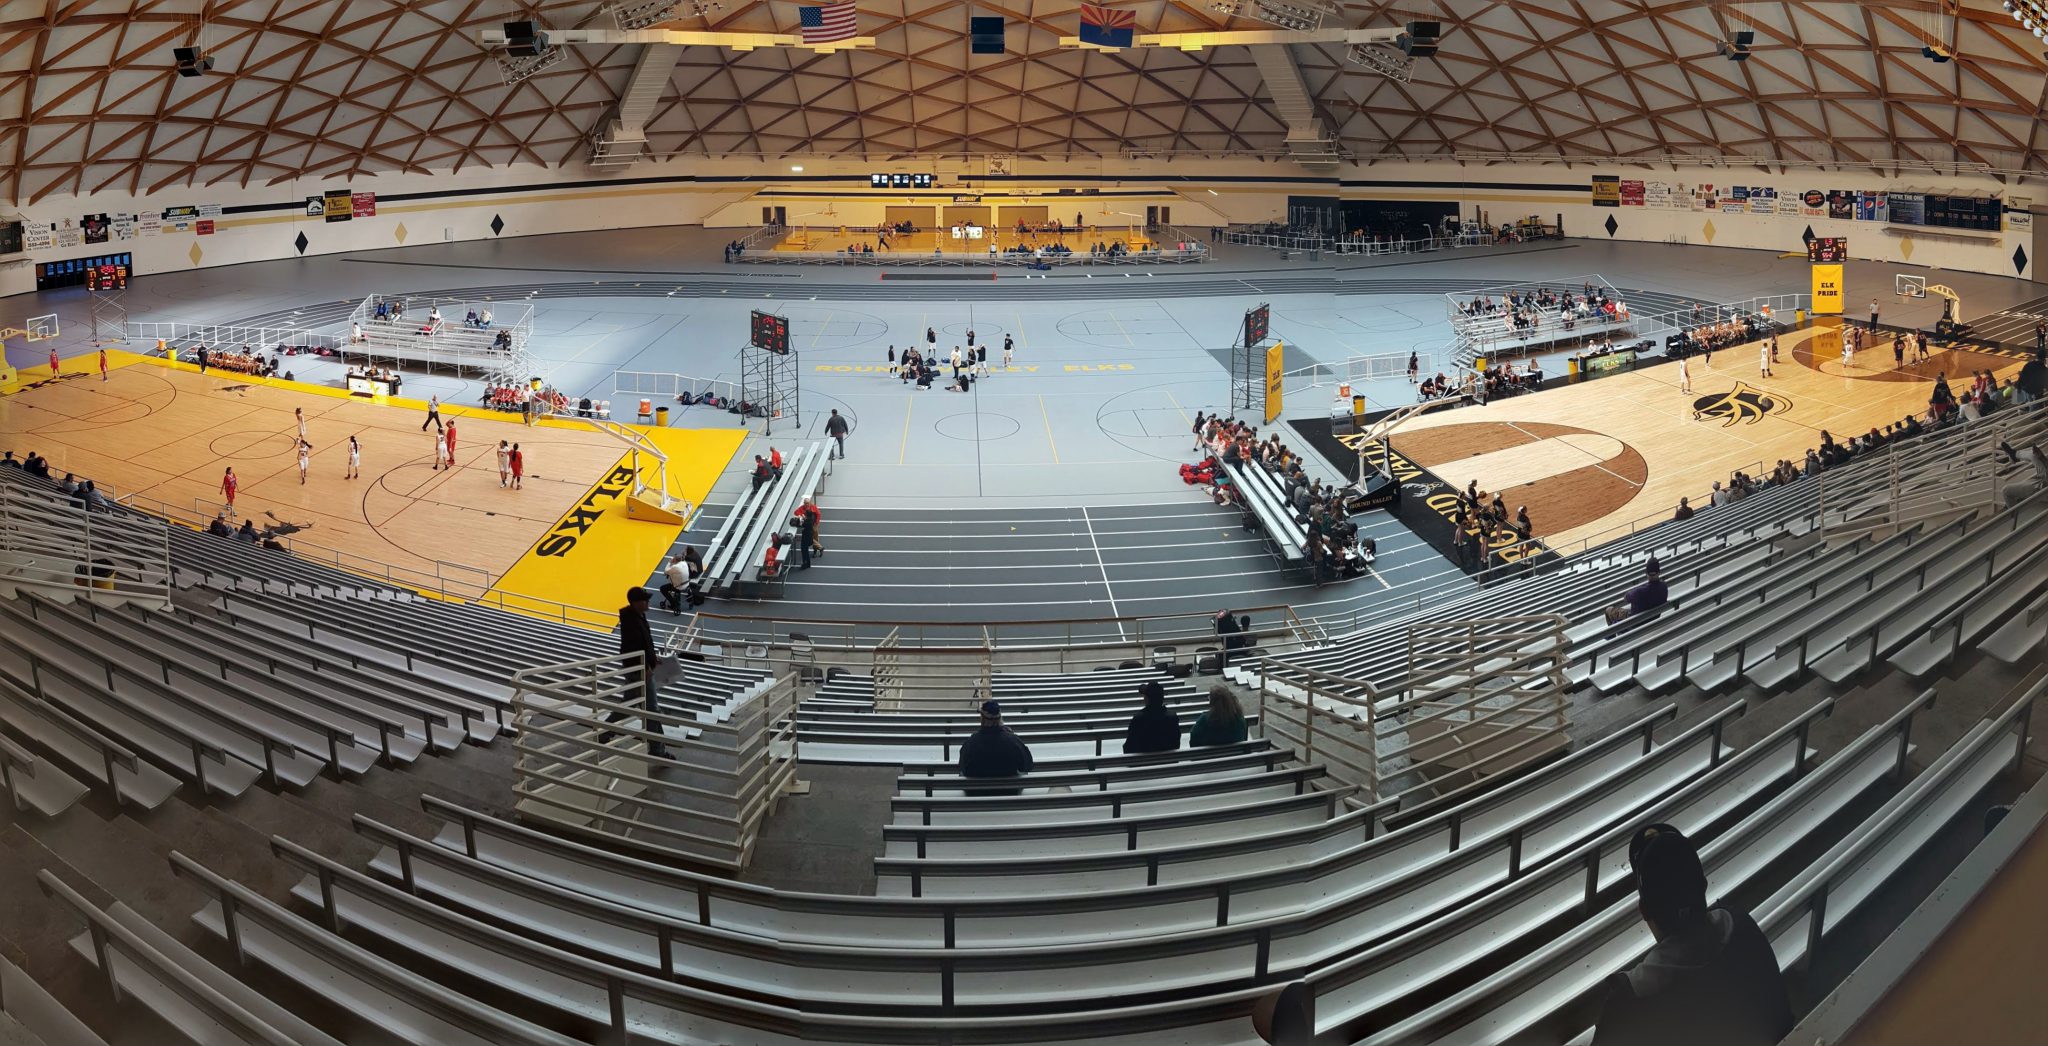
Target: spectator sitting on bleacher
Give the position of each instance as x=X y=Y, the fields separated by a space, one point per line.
x=248 y=532
x=994 y=752
x=1222 y=724
x=1647 y=596
x=219 y=527
x=69 y=484
x=1155 y=728
x=1712 y=978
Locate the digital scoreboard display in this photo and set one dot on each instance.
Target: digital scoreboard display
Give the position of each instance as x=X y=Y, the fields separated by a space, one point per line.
x=771 y=332
x=1827 y=250
x=900 y=181
x=1257 y=324
x=103 y=272
x=106 y=277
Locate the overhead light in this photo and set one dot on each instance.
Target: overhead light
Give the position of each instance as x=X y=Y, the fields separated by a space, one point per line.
x=1392 y=64
x=1298 y=15
x=1213 y=192
x=191 y=61
x=797 y=167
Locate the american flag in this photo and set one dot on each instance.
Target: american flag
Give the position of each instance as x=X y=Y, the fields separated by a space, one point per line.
x=825 y=24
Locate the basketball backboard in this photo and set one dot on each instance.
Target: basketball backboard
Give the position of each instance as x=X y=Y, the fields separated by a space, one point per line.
x=1909 y=286
x=41 y=328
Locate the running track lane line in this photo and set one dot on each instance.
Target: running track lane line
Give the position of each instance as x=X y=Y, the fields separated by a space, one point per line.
x=1106 y=589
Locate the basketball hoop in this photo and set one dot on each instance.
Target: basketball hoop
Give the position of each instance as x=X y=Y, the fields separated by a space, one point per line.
x=1909 y=287
x=40 y=328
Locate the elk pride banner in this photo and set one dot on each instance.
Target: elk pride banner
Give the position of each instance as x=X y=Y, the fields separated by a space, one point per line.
x=1274 y=365
x=1828 y=292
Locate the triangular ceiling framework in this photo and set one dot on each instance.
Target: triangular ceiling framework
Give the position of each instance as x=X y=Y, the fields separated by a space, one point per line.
x=89 y=101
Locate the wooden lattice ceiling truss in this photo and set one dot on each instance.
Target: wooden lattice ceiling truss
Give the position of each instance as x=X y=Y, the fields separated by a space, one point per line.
x=338 y=89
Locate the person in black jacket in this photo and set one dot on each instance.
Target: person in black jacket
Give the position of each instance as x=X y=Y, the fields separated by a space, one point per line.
x=636 y=637
x=1711 y=979
x=1155 y=728
x=993 y=751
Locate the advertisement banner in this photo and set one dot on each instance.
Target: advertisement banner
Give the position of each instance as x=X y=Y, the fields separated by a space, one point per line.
x=1703 y=198
x=1632 y=193
x=204 y=226
x=1763 y=200
x=179 y=219
x=1841 y=203
x=1734 y=199
x=94 y=227
x=67 y=234
x=1660 y=195
x=1828 y=292
x=2017 y=217
x=1872 y=207
x=1813 y=203
x=207 y=210
x=1274 y=366
x=1607 y=190
x=148 y=224
x=124 y=226
x=365 y=204
x=1788 y=205
x=35 y=236
x=339 y=205
x=316 y=206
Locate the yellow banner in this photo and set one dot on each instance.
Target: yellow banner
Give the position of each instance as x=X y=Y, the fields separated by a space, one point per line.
x=1273 y=367
x=1829 y=294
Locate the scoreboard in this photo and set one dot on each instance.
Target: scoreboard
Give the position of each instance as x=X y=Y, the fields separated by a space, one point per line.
x=1827 y=250
x=106 y=277
x=771 y=332
x=1257 y=323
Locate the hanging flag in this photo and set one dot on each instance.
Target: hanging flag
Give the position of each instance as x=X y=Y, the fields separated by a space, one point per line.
x=1107 y=27
x=827 y=23
x=985 y=35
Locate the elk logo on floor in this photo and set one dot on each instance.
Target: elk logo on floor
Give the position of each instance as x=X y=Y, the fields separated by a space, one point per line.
x=1741 y=404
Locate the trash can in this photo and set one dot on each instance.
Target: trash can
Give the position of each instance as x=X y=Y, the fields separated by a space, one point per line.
x=646 y=408
x=1357 y=406
x=661 y=416
x=1798 y=316
x=1571 y=367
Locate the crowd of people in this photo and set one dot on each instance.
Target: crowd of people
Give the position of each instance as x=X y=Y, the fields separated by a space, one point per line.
x=1331 y=540
x=1527 y=310
x=1703 y=337
x=81 y=491
x=245 y=360
x=995 y=752
x=531 y=404
x=1483 y=523
x=922 y=367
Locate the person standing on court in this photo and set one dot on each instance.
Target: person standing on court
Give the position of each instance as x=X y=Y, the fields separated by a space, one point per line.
x=103 y=364
x=54 y=369
x=433 y=413
x=2041 y=337
x=1873 y=315
x=504 y=464
x=1414 y=366
x=1763 y=355
x=305 y=460
x=1006 y=352
x=835 y=427
x=518 y=462
x=299 y=415
x=355 y=458
x=636 y=638
x=449 y=440
x=440 y=448
x=970 y=337
x=202 y=359
x=228 y=484
x=931 y=337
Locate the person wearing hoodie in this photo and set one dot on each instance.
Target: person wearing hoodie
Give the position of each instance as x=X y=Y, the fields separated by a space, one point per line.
x=1155 y=728
x=1711 y=978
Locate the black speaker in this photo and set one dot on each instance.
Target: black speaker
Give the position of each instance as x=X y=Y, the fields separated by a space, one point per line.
x=523 y=40
x=190 y=61
x=1420 y=40
x=985 y=35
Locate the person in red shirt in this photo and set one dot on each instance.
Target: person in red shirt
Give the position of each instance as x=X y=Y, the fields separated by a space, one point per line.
x=54 y=368
x=775 y=462
x=518 y=467
x=228 y=483
x=103 y=364
x=448 y=440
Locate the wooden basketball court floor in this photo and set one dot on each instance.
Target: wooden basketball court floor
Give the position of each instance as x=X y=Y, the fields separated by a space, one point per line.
x=165 y=433
x=1587 y=459
x=818 y=239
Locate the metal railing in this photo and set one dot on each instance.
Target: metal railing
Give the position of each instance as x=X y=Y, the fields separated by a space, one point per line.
x=227 y=335
x=628 y=385
x=899 y=259
x=586 y=761
x=1479 y=698
x=1344 y=245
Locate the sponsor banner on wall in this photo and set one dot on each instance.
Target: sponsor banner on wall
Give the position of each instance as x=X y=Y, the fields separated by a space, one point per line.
x=1813 y=203
x=1704 y=199
x=2017 y=217
x=364 y=204
x=1734 y=199
x=36 y=236
x=94 y=227
x=1872 y=207
x=1660 y=195
x=316 y=206
x=338 y=206
x=208 y=210
x=1276 y=365
x=1631 y=193
x=1841 y=203
x=1763 y=200
x=1606 y=190
x=68 y=234
x=148 y=224
x=179 y=219
x=1788 y=205
x=203 y=226
x=1828 y=292
x=124 y=226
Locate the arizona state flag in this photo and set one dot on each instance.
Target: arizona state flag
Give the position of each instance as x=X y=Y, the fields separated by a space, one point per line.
x=1107 y=27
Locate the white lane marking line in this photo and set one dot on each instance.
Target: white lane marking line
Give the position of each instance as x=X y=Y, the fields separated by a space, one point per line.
x=1106 y=589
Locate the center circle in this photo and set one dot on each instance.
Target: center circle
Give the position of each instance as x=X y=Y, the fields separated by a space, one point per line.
x=964 y=426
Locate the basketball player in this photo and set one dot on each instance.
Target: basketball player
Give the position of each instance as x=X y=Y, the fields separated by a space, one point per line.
x=1899 y=352
x=440 y=447
x=54 y=368
x=451 y=443
x=1848 y=353
x=1006 y=352
x=228 y=483
x=305 y=460
x=103 y=364
x=1684 y=375
x=355 y=458
x=504 y=463
x=299 y=413
x=1763 y=355
x=517 y=462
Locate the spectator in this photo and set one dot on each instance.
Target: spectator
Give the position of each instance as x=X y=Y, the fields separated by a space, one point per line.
x=1684 y=510
x=678 y=583
x=1155 y=728
x=1222 y=724
x=70 y=484
x=248 y=532
x=1647 y=596
x=636 y=638
x=994 y=752
x=219 y=527
x=1711 y=979
x=37 y=465
x=761 y=471
x=7 y=460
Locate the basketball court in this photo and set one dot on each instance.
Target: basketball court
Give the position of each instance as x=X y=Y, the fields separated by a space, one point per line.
x=160 y=435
